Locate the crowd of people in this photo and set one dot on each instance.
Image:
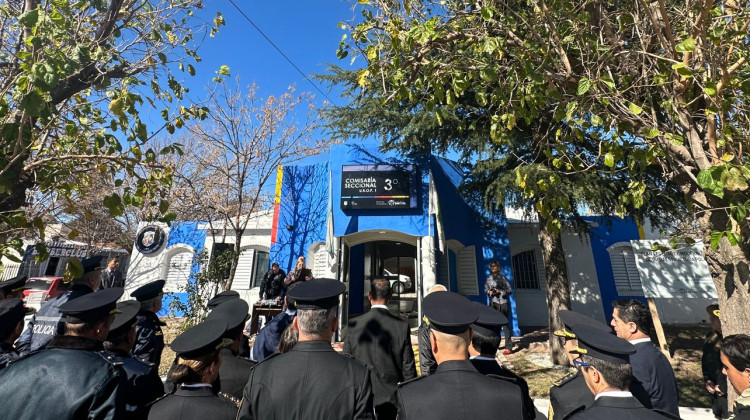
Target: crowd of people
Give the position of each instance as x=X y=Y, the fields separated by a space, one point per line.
x=89 y=354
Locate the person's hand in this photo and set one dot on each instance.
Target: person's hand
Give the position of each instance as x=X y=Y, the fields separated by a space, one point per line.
x=278 y=300
x=711 y=387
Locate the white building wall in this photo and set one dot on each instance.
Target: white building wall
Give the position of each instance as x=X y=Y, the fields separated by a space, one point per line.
x=531 y=305
x=586 y=297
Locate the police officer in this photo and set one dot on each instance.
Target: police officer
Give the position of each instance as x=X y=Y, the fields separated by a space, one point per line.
x=570 y=393
x=143 y=383
x=48 y=321
x=311 y=381
x=485 y=340
x=222 y=297
x=234 y=370
x=604 y=361
x=456 y=390
x=198 y=363
x=149 y=337
x=13 y=288
x=12 y=313
x=71 y=379
x=268 y=338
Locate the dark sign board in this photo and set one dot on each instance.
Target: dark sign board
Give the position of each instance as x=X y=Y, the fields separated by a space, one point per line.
x=366 y=187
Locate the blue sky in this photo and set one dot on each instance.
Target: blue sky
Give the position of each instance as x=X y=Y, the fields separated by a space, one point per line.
x=307 y=32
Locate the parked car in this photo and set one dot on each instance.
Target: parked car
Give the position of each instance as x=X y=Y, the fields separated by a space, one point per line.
x=42 y=289
x=400 y=283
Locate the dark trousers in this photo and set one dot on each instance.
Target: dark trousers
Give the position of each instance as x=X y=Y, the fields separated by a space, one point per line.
x=504 y=308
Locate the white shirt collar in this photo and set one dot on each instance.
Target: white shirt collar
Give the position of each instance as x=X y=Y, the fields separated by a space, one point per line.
x=379 y=306
x=482 y=358
x=291 y=311
x=640 y=340
x=616 y=394
x=195 y=386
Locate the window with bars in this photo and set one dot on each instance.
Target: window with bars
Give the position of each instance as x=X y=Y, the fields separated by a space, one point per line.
x=525 y=270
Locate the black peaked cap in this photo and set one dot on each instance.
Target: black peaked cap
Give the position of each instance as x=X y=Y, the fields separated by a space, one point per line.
x=233 y=312
x=12 y=311
x=490 y=321
x=570 y=318
x=602 y=345
x=13 y=285
x=92 y=307
x=125 y=317
x=449 y=312
x=200 y=340
x=92 y=263
x=148 y=290
x=222 y=297
x=317 y=293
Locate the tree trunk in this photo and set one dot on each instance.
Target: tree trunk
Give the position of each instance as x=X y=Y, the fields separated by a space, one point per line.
x=729 y=269
x=558 y=287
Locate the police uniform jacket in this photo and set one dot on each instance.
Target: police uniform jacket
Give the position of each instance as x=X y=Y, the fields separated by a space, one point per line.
x=7 y=354
x=617 y=408
x=267 y=340
x=149 y=341
x=569 y=394
x=456 y=391
x=654 y=383
x=382 y=341
x=70 y=380
x=187 y=403
x=143 y=384
x=311 y=381
x=491 y=367
x=48 y=321
x=233 y=373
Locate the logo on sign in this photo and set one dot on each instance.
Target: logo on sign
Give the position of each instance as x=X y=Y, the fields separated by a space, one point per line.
x=149 y=239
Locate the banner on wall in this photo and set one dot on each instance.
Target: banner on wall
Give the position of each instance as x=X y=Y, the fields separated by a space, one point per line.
x=678 y=273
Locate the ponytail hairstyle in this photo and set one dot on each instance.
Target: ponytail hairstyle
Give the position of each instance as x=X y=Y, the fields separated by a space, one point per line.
x=192 y=370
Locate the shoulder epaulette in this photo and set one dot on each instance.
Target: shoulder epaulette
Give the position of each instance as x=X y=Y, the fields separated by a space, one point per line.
x=400 y=384
x=230 y=399
x=574 y=412
x=565 y=379
x=110 y=358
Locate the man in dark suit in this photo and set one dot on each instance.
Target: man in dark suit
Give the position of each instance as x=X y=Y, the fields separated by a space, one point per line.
x=311 y=381
x=603 y=359
x=234 y=370
x=456 y=390
x=485 y=340
x=570 y=393
x=111 y=276
x=383 y=341
x=654 y=383
x=268 y=338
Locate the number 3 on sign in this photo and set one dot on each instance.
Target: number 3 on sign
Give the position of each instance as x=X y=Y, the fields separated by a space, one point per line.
x=388 y=185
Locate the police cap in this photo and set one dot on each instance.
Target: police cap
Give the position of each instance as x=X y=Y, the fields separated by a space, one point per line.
x=200 y=340
x=92 y=263
x=12 y=312
x=317 y=294
x=601 y=344
x=125 y=318
x=148 y=291
x=13 y=285
x=92 y=307
x=449 y=312
x=570 y=318
x=233 y=312
x=490 y=321
x=222 y=297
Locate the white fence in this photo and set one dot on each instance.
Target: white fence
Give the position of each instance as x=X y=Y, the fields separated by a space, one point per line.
x=9 y=270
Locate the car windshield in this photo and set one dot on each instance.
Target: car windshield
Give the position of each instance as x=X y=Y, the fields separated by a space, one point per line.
x=39 y=284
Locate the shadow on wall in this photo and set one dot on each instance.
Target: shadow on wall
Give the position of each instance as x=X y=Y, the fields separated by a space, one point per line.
x=302 y=213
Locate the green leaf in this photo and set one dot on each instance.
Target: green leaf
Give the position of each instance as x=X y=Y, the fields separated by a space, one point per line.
x=715 y=239
x=710 y=89
x=608 y=81
x=163 y=206
x=487 y=13
x=29 y=19
x=224 y=70
x=191 y=70
x=651 y=132
x=734 y=238
x=735 y=181
x=635 y=109
x=609 y=159
x=113 y=203
x=687 y=45
x=583 y=86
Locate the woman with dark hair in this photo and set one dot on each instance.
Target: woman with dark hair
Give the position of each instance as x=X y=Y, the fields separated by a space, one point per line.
x=197 y=367
x=735 y=356
x=288 y=340
x=714 y=380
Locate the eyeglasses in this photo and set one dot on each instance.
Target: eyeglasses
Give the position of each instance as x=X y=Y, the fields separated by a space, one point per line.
x=578 y=363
